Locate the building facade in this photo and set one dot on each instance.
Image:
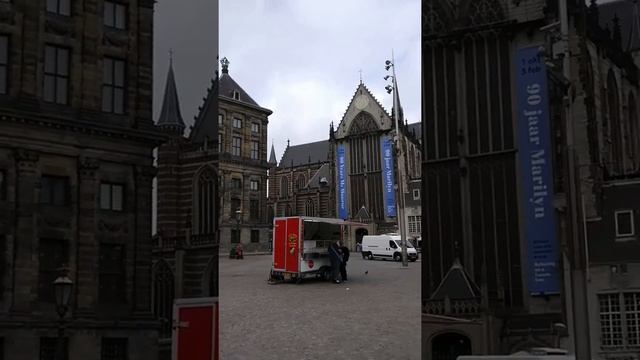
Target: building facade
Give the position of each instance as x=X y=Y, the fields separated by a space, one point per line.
x=185 y=247
x=479 y=284
x=302 y=182
x=242 y=139
x=76 y=170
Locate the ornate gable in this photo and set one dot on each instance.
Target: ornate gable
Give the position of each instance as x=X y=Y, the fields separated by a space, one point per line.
x=442 y=16
x=363 y=115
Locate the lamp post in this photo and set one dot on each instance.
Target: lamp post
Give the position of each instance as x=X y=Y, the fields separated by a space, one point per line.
x=62 y=287
x=389 y=64
x=238 y=217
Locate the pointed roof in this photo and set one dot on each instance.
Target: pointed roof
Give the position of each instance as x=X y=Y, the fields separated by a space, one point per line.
x=206 y=122
x=457 y=284
x=272 y=157
x=231 y=90
x=363 y=214
x=310 y=153
x=170 y=114
x=628 y=14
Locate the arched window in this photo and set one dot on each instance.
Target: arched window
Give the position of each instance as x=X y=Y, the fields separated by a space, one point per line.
x=284 y=188
x=615 y=133
x=205 y=202
x=163 y=294
x=310 y=208
x=288 y=211
x=632 y=137
x=302 y=181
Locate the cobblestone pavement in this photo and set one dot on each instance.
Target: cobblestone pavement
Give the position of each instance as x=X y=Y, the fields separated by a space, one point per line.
x=372 y=316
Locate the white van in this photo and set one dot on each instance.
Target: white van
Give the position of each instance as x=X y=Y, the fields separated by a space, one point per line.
x=387 y=246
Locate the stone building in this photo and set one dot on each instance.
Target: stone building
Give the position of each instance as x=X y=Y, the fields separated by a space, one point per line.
x=302 y=183
x=185 y=247
x=242 y=139
x=76 y=168
x=480 y=284
x=307 y=178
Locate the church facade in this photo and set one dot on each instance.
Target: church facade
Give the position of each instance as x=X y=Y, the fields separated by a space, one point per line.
x=482 y=292
x=343 y=176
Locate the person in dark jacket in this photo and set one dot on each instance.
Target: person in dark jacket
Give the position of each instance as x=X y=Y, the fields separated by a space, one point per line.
x=343 y=264
x=336 y=258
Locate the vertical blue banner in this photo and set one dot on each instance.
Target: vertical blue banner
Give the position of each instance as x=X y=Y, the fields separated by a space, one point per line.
x=342 y=182
x=388 y=181
x=535 y=154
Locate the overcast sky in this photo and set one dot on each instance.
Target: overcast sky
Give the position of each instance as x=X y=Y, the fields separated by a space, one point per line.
x=301 y=58
x=189 y=28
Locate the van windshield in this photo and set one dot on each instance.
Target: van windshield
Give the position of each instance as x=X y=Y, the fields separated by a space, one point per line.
x=409 y=245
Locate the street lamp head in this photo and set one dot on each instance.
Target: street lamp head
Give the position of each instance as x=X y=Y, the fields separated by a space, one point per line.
x=387 y=67
x=389 y=89
x=62 y=288
x=387 y=77
x=388 y=62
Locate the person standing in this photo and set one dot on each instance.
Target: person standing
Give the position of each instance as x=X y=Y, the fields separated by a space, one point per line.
x=343 y=264
x=336 y=258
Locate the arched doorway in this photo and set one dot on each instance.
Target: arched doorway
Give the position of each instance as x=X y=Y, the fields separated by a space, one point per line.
x=449 y=346
x=359 y=234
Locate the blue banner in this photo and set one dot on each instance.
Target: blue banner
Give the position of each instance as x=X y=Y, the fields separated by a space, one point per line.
x=535 y=155
x=342 y=182
x=388 y=182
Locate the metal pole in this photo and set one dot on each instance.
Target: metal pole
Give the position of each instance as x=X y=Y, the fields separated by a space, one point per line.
x=578 y=307
x=60 y=342
x=400 y=213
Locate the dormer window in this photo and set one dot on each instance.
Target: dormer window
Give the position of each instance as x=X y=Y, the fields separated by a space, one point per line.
x=236 y=95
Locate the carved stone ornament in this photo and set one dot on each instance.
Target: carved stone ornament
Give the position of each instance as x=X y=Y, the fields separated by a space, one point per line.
x=88 y=166
x=146 y=172
x=58 y=26
x=26 y=159
x=116 y=38
x=113 y=228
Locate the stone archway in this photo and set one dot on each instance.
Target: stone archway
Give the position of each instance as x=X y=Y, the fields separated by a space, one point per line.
x=449 y=346
x=360 y=233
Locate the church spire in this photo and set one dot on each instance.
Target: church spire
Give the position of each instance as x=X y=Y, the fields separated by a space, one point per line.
x=170 y=117
x=225 y=65
x=272 y=157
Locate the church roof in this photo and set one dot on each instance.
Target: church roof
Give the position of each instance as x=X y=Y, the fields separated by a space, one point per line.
x=303 y=154
x=321 y=178
x=629 y=18
x=206 y=124
x=170 y=114
x=228 y=87
x=456 y=285
x=415 y=129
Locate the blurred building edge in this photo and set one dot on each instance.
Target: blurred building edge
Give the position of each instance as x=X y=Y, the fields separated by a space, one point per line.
x=186 y=245
x=76 y=143
x=472 y=208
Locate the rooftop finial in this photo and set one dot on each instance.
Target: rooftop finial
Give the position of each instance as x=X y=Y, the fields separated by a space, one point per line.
x=170 y=57
x=360 y=71
x=288 y=141
x=225 y=65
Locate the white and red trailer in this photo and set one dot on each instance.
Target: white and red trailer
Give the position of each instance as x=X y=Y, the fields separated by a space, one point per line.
x=300 y=246
x=195 y=329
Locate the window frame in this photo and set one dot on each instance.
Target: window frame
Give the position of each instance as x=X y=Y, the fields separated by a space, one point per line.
x=237 y=123
x=625 y=321
x=620 y=236
x=255 y=236
x=256 y=183
x=254 y=209
x=236 y=183
x=111 y=185
x=255 y=150
x=220 y=119
x=112 y=86
x=56 y=76
x=255 y=128
x=53 y=181
x=57 y=11
x=115 y=341
x=416 y=191
x=105 y=296
x=236 y=148
x=4 y=64
x=113 y=24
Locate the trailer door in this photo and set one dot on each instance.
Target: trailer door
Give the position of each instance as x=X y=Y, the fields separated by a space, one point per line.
x=195 y=329
x=293 y=245
x=279 y=244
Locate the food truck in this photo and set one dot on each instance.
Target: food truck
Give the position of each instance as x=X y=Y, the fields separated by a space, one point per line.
x=300 y=247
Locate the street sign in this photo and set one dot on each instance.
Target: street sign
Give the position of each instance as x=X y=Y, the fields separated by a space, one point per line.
x=195 y=329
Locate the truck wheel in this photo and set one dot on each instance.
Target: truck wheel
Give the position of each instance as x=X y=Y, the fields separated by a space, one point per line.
x=370 y=256
x=397 y=257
